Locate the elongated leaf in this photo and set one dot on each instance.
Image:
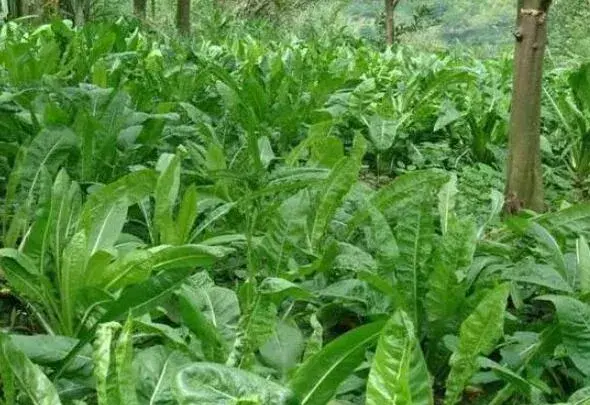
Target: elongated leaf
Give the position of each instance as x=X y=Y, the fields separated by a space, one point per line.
x=478 y=336
x=399 y=374
x=187 y=215
x=214 y=384
x=316 y=381
x=574 y=325
x=543 y=275
x=316 y=341
x=583 y=262
x=165 y=196
x=446 y=294
x=71 y=278
x=29 y=377
x=191 y=256
x=126 y=381
x=446 y=202
x=414 y=234
x=47 y=350
x=344 y=174
x=141 y=298
x=104 y=365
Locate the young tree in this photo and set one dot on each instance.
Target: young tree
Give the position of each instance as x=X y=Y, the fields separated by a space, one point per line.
x=139 y=8
x=524 y=186
x=183 y=17
x=390 y=6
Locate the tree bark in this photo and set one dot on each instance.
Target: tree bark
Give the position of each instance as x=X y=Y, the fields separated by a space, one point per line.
x=390 y=6
x=140 y=8
x=183 y=17
x=524 y=186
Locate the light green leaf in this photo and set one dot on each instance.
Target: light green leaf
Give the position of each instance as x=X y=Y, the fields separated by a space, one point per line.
x=191 y=310
x=187 y=214
x=543 y=275
x=156 y=368
x=126 y=382
x=214 y=384
x=478 y=336
x=574 y=325
x=446 y=293
x=382 y=132
x=316 y=340
x=104 y=367
x=71 y=279
x=317 y=380
x=165 y=197
x=583 y=262
x=28 y=376
x=448 y=115
x=414 y=234
x=285 y=347
x=399 y=375
x=446 y=202
x=342 y=177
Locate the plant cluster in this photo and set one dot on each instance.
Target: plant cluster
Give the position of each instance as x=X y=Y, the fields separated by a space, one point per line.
x=248 y=221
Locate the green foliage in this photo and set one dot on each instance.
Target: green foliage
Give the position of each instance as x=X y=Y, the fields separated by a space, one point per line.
x=247 y=218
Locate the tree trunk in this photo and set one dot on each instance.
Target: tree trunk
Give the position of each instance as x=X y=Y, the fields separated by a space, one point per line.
x=79 y=17
x=4 y=9
x=524 y=186
x=183 y=17
x=139 y=8
x=390 y=6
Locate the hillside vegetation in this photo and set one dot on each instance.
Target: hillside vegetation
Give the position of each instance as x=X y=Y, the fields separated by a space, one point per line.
x=275 y=208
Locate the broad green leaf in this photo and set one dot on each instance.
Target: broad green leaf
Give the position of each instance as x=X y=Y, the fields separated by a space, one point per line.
x=214 y=384
x=187 y=214
x=134 y=267
x=284 y=348
x=399 y=374
x=258 y=322
x=71 y=279
x=156 y=368
x=446 y=293
x=48 y=150
x=393 y=198
x=141 y=298
x=342 y=177
x=574 y=325
x=478 y=335
x=281 y=288
x=543 y=275
x=104 y=365
x=382 y=132
x=186 y=256
x=47 y=350
x=165 y=196
x=448 y=115
x=580 y=397
x=103 y=233
x=124 y=192
x=191 y=310
x=317 y=380
x=414 y=234
x=126 y=381
x=29 y=377
x=382 y=241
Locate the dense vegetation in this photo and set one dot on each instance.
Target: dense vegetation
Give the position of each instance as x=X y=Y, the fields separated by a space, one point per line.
x=246 y=216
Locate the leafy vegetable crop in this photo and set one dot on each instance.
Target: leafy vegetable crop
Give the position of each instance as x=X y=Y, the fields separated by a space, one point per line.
x=261 y=222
